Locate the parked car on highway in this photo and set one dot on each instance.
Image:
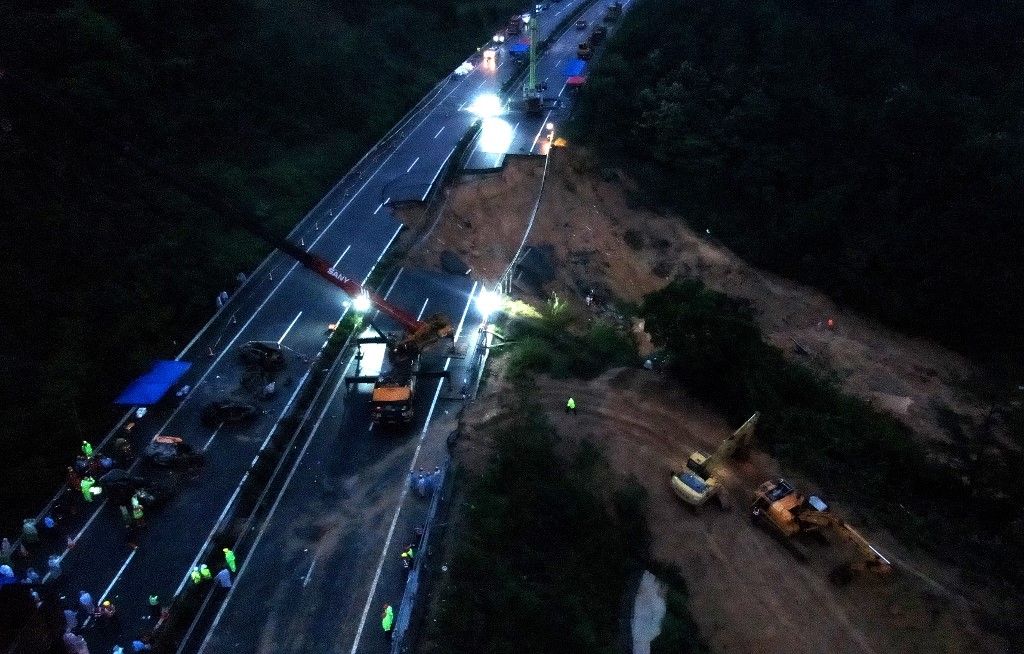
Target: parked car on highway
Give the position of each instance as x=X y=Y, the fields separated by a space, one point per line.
x=265 y=354
x=171 y=451
x=229 y=411
x=581 y=24
x=598 y=35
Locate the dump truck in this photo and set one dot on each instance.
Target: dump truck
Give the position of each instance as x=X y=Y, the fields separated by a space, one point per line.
x=394 y=386
x=698 y=482
x=790 y=516
x=391 y=402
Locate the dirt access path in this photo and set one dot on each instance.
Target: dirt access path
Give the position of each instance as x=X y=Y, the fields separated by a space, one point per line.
x=601 y=242
x=748 y=594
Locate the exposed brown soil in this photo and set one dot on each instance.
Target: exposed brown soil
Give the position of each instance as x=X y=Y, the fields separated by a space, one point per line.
x=748 y=594
x=587 y=221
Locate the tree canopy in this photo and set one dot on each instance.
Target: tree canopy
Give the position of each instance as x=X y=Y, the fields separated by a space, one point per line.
x=872 y=148
x=104 y=266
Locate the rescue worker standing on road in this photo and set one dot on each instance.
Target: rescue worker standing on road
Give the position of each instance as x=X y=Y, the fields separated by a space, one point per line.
x=229 y=559
x=86 y=485
x=570 y=406
x=137 y=513
x=87 y=449
x=387 y=620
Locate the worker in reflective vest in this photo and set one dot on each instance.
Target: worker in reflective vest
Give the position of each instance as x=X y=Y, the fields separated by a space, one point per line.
x=86 y=486
x=387 y=620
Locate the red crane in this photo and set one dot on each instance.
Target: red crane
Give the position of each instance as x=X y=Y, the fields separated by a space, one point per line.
x=419 y=333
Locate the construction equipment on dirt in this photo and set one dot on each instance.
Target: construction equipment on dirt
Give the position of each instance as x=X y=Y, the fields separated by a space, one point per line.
x=698 y=483
x=790 y=515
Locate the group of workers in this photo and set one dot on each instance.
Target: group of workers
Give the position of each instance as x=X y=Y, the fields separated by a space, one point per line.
x=103 y=615
x=202 y=573
x=82 y=478
x=424 y=483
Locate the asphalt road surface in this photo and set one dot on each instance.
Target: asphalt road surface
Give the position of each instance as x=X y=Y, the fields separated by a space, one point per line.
x=328 y=560
x=342 y=501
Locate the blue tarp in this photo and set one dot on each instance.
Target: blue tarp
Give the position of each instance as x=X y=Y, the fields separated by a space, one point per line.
x=518 y=48
x=150 y=387
x=574 y=67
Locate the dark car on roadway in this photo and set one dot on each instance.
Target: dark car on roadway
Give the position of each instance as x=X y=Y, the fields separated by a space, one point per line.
x=171 y=451
x=581 y=24
x=230 y=411
x=599 y=33
x=265 y=354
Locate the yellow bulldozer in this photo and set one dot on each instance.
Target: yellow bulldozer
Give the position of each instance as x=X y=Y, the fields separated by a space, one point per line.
x=698 y=482
x=790 y=516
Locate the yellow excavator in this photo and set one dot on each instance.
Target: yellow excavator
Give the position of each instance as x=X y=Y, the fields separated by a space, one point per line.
x=698 y=482
x=789 y=515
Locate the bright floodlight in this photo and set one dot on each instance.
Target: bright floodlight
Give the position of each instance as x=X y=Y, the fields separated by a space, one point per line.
x=361 y=303
x=487 y=105
x=487 y=302
x=526 y=18
x=495 y=136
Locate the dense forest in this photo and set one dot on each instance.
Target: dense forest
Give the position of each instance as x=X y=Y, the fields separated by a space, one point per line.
x=104 y=267
x=872 y=148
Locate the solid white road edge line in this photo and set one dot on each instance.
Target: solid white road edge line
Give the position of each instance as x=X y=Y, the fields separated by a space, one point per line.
x=536 y=138
x=405 y=486
x=273 y=508
x=443 y=164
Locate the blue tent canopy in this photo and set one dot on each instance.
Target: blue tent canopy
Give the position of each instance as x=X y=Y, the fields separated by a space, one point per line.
x=518 y=48
x=150 y=387
x=574 y=67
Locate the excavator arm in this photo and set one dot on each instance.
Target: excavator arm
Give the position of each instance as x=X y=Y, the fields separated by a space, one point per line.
x=871 y=558
x=740 y=439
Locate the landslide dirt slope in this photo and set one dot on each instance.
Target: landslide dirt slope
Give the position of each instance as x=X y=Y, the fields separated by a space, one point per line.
x=748 y=594
x=588 y=221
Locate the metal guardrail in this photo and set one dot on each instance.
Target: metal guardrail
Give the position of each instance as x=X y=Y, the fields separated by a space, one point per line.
x=403 y=620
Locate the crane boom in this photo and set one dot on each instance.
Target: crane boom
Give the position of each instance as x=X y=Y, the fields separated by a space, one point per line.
x=409 y=323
